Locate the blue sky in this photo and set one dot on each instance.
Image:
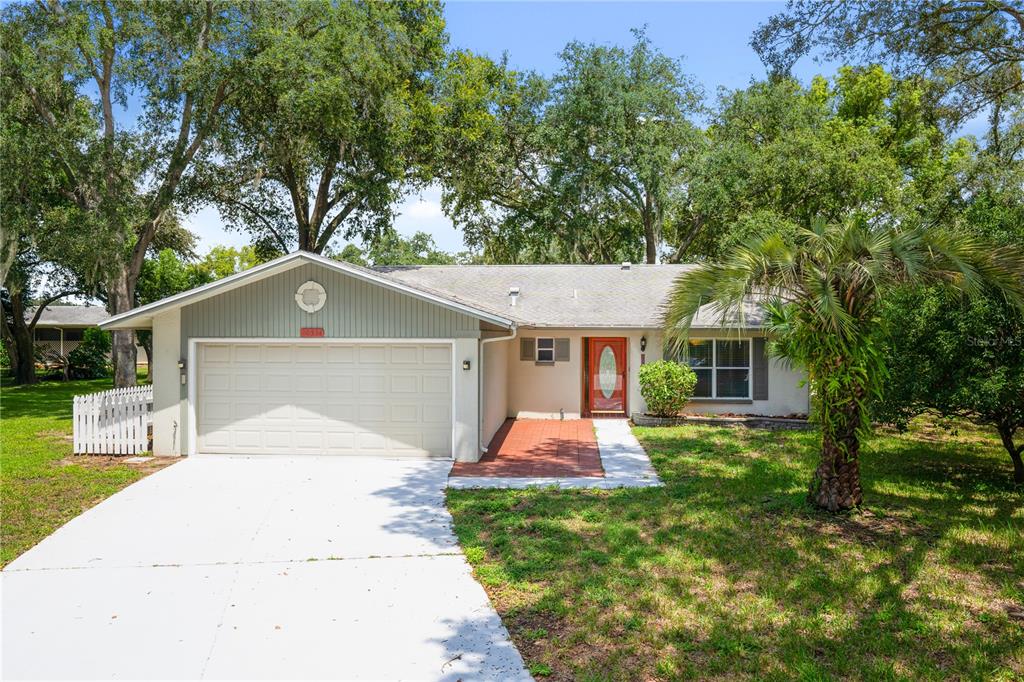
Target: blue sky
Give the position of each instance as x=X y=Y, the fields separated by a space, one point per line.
x=711 y=38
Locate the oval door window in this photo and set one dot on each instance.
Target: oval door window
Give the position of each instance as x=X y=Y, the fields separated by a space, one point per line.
x=607 y=373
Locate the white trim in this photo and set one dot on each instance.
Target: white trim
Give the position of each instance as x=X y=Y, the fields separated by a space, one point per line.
x=193 y=426
x=282 y=264
x=537 y=349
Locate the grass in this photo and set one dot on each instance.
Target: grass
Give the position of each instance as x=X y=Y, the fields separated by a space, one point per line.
x=726 y=573
x=42 y=485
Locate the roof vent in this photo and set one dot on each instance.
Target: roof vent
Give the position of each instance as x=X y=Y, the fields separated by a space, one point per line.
x=513 y=294
x=626 y=265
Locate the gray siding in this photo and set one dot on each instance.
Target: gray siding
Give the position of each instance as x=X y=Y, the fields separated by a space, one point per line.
x=354 y=309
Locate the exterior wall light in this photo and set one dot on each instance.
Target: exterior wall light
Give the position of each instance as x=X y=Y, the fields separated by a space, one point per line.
x=465 y=365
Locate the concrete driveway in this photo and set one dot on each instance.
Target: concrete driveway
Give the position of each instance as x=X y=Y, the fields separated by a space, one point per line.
x=273 y=567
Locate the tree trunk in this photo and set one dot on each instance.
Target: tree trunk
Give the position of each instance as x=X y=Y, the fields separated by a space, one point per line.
x=1006 y=435
x=836 y=483
x=20 y=346
x=121 y=300
x=146 y=341
x=650 y=238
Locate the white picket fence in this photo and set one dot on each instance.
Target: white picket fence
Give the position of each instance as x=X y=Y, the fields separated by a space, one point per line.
x=114 y=422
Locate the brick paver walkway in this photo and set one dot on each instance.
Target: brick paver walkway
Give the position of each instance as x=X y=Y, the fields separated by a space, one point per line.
x=538 y=448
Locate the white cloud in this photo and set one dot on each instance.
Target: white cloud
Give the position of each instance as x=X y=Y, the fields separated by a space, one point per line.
x=210 y=231
x=421 y=212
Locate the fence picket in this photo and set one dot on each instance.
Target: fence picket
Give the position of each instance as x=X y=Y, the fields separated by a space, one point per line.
x=114 y=422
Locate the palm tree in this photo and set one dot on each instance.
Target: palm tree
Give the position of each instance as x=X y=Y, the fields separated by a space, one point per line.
x=821 y=289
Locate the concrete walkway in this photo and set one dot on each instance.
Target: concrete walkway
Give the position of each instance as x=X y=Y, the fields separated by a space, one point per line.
x=625 y=464
x=258 y=568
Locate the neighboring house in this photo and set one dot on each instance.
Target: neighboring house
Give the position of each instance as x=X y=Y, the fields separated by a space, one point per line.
x=309 y=355
x=61 y=327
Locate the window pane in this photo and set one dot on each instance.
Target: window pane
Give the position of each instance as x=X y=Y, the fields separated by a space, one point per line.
x=545 y=355
x=703 y=389
x=545 y=343
x=733 y=354
x=733 y=383
x=698 y=353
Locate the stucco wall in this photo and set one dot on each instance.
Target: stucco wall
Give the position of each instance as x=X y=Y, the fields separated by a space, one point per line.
x=541 y=391
x=495 y=386
x=466 y=445
x=168 y=412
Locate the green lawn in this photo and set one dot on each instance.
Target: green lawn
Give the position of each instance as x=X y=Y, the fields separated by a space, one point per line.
x=725 y=573
x=42 y=486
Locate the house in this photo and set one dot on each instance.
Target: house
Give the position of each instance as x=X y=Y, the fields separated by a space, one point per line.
x=61 y=328
x=309 y=355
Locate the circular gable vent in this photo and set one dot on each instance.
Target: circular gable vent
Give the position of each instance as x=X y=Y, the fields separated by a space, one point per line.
x=311 y=297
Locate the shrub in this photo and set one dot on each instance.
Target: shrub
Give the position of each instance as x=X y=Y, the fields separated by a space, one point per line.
x=91 y=360
x=666 y=387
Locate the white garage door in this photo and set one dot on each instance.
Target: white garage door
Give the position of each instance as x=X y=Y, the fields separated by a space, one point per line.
x=392 y=399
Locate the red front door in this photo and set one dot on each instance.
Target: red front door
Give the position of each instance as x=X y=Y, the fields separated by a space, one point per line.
x=606 y=376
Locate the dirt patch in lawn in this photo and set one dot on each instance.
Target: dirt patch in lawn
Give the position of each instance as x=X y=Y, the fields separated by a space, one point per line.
x=151 y=465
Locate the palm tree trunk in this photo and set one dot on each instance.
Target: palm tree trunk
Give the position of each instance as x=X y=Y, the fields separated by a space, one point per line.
x=836 y=483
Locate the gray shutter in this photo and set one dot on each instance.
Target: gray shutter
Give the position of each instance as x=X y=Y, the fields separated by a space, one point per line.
x=527 y=349
x=561 y=350
x=760 y=369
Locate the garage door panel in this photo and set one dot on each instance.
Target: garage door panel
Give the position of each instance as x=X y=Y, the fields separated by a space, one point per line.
x=373 y=413
x=276 y=353
x=248 y=440
x=371 y=442
x=246 y=382
x=409 y=355
x=272 y=382
x=405 y=413
x=341 y=383
x=437 y=355
x=437 y=414
x=216 y=353
x=372 y=383
x=340 y=399
x=307 y=383
x=405 y=383
x=246 y=410
x=372 y=355
x=342 y=411
x=341 y=355
x=436 y=384
x=216 y=381
x=305 y=355
x=248 y=354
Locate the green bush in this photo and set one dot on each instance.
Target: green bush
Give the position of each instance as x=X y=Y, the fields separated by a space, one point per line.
x=666 y=387
x=91 y=360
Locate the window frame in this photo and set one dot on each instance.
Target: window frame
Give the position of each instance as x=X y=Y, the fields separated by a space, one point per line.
x=537 y=350
x=714 y=367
